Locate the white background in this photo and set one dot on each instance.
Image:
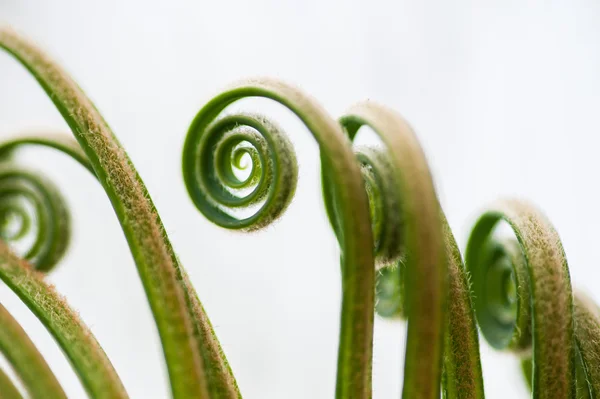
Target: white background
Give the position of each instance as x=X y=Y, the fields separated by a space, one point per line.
x=503 y=95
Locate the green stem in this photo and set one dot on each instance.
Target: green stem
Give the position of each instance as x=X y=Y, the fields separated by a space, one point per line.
x=462 y=374
x=500 y=289
x=7 y=388
x=83 y=351
x=58 y=142
x=392 y=184
x=179 y=316
x=26 y=360
x=384 y=211
x=204 y=334
x=462 y=363
x=587 y=337
x=211 y=143
x=21 y=194
x=423 y=246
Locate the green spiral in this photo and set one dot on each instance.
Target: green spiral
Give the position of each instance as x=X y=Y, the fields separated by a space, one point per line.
x=522 y=293
x=241 y=173
x=214 y=158
x=32 y=209
x=34 y=218
x=502 y=297
x=524 y=302
x=384 y=202
x=36 y=223
x=386 y=222
x=213 y=147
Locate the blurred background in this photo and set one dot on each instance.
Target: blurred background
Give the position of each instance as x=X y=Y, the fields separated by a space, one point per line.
x=503 y=96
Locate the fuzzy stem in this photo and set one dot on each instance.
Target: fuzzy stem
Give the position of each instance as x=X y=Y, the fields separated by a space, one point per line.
x=206 y=179
x=548 y=287
x=26 y=360
x=83 y=351
x=462 y=363
x=587 y=337
x=176 y=308
x=426 y=263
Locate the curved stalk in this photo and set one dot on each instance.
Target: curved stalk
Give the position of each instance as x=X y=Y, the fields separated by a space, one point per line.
x=211 y=184
x=180 y=319
x=587 y=338
x=462 y=374
x=8 y=389
x=83 y=351
x=388 y=196
x=463 y=377
x=383 y=210
x=422 y=244
x=210 y=348
x=510 y=279
x=26 y=360
x=587 y=346
x=30 y=203
x=56 y=141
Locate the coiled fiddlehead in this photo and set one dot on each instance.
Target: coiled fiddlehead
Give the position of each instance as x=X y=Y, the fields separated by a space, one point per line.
x=30 y=202
x=200 y=171
x=392 y=177
x=523 y=294
x=395 y=224
x=210 y=170
x=31 y=205
x=415 y=218
x=412 y=226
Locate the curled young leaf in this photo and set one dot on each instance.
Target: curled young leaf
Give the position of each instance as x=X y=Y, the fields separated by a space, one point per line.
x=393 y=176
x=507 y=283
x=410 y=207
x=209 y=181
